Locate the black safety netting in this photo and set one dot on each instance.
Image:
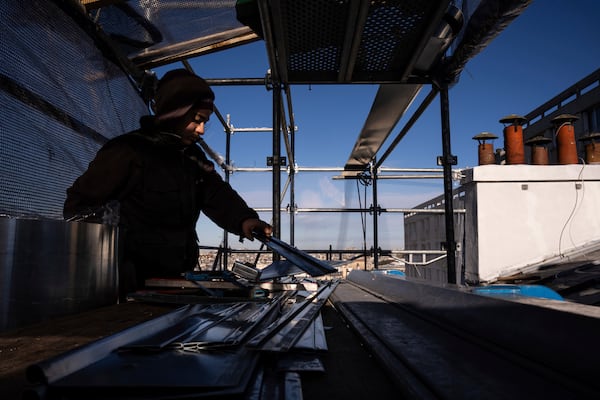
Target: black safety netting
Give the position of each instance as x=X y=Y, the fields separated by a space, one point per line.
x=60 y=100
x=157 y=32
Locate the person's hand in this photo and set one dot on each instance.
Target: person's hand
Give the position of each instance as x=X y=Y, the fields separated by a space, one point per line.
x=257 y=225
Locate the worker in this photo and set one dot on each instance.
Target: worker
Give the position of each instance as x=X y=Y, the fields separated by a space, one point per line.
x=154 y=182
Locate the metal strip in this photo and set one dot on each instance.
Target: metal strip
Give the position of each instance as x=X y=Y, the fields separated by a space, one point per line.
x=279 y=269
x=194 y=325
x=390 y=104
x=282 y=334
x=292 y=386
x=306 y=262
x=53 y=369
x=417 y=114
x=314 y=336
x=289 y=334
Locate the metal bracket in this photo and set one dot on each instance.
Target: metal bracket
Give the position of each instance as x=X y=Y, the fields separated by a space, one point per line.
x=450 y=160
x=268 y=81
x=448 y=245
x=276 y=160
x=377 y=210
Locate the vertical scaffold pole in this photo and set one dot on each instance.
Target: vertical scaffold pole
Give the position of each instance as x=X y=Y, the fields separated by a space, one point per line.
x=227 y=179
x=375 y=216
x=276 y=163
x=447 y=161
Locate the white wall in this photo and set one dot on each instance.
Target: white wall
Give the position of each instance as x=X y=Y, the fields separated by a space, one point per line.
x=518 y=215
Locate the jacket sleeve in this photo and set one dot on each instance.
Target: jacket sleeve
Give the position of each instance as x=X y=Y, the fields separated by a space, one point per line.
x=222 y=204
x=105 y=180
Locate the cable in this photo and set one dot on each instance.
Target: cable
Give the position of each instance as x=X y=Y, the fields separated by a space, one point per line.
x=573 y=211
x=363 y=214
x=558 y=129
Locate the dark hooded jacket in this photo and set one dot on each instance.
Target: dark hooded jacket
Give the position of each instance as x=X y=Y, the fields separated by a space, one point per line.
x=160 y=187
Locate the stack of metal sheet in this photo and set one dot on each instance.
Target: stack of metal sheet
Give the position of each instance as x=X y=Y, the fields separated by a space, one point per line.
x=196 y=351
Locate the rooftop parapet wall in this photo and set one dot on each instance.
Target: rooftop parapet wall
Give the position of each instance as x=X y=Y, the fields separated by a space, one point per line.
x=521 y=215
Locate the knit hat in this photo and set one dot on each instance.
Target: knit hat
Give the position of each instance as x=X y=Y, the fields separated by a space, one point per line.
x=178 y=91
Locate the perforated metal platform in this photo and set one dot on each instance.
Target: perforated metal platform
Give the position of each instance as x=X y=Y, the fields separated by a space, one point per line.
x=352 y=41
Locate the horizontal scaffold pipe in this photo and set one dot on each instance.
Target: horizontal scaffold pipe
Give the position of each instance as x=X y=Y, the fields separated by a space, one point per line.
x=436 y=176
x=236 y=130
x=423 y=210
x=252 y=169
x=235 y=81
x=418 y=252
x=309 y=251
x=388 y=176
x=320 y=169
x=411 y=172
x=269 y=169
x=390 y=210
x=381 y=210
x=389 y=169
x=340 y=169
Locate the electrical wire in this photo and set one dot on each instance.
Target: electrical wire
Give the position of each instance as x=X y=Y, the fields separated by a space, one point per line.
x=568 y=222
x=364 y=180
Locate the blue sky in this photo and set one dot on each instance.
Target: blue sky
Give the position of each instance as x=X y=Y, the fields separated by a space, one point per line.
x=552 y=45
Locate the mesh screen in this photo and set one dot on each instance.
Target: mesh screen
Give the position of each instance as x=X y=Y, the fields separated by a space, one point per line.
x=60 y=100
x=146 y=29
x=318 y=34
x=315 y=31
x=391 y=35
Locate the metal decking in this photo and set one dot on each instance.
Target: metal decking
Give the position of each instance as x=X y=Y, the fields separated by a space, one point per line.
x=443 y=343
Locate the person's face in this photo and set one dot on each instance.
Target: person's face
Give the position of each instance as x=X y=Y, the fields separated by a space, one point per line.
x=194 y=126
